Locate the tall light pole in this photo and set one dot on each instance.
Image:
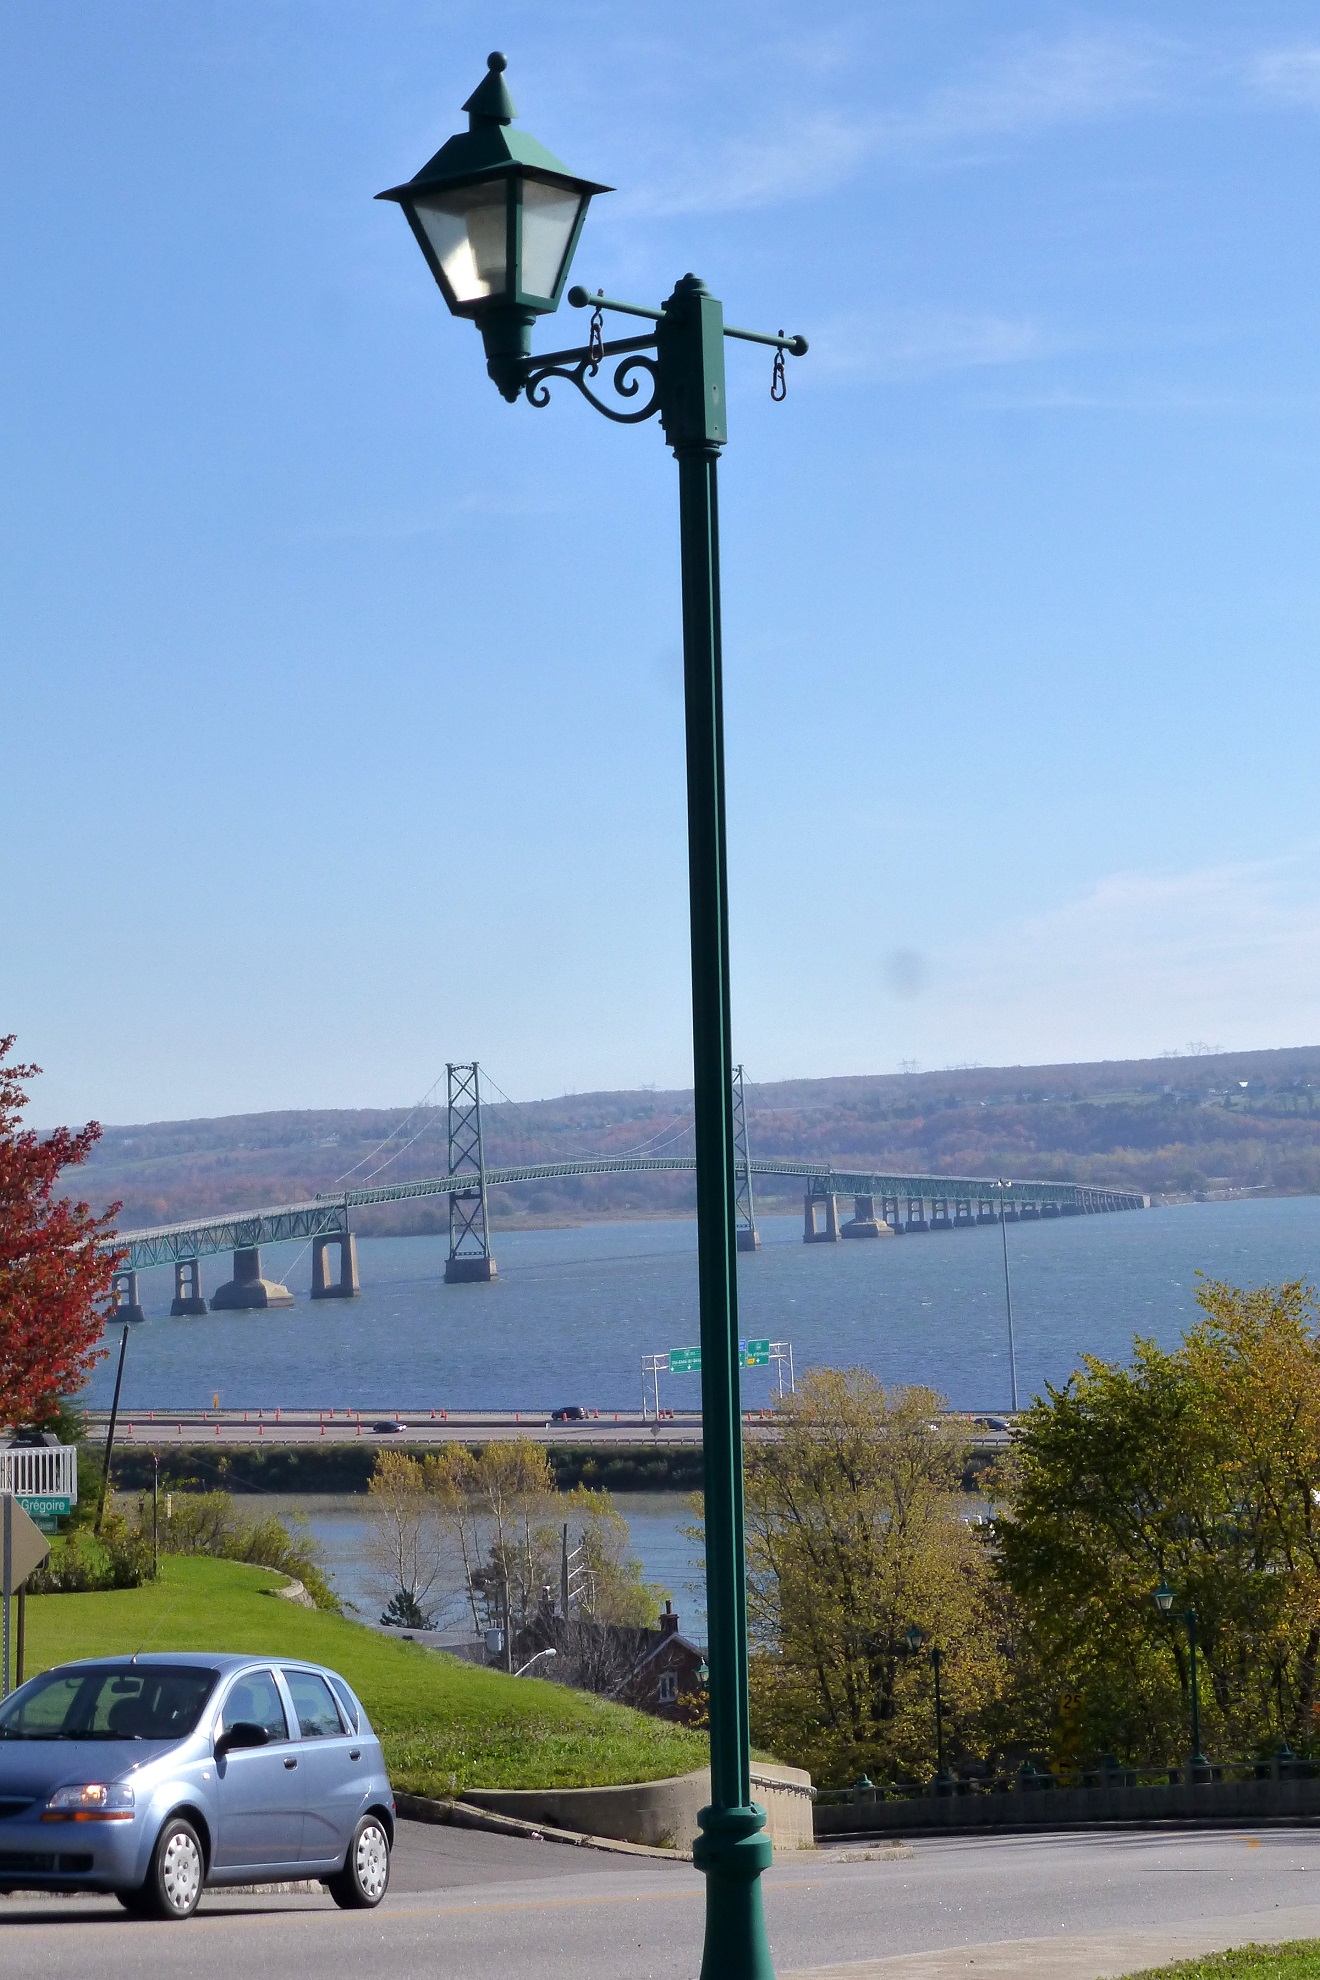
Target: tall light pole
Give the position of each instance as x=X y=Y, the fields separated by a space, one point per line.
x=1008 y=1294
x=497 y=218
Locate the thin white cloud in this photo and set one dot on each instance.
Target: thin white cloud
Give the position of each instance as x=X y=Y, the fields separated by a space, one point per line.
x=801 y=152
x=1078 y=79
x=1291 y=75
x=1229 y=951
x=895 y=344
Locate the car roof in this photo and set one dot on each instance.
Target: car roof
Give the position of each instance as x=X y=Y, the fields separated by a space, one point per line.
x=223 y=1661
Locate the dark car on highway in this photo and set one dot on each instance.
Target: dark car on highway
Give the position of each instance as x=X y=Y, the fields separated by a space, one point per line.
x=571 y=1413
x=154 y=1777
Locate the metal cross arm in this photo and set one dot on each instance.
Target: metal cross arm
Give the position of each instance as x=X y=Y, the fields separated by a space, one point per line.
x=582 y=298
x=671 y=371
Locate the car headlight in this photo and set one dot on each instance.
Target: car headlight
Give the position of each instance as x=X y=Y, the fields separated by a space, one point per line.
x=91 y=1801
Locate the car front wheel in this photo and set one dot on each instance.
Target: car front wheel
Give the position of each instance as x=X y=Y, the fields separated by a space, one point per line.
x=173 y=1885
x=364 y=1879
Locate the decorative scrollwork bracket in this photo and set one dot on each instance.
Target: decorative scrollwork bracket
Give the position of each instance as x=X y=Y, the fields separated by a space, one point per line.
x=578 y=366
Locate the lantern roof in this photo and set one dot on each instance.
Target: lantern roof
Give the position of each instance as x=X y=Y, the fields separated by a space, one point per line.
x=489 y=146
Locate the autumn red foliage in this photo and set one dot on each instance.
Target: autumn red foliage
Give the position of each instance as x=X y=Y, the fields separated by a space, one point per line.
x=55 y=1269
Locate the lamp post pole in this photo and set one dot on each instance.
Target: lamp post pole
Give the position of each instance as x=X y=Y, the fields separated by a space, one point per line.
x=497 y=218
x=1198 y=1759
x=1008 y=1298
x=732 y=1849
x=942 y=1777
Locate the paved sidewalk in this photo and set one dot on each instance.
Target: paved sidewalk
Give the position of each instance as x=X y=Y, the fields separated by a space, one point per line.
x=1084 y=1956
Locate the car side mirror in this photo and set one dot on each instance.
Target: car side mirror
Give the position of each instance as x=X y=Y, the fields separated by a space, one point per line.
x=241 y=1733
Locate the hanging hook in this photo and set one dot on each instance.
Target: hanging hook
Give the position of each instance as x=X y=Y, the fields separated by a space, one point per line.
x=779 y=376
x=595 y=340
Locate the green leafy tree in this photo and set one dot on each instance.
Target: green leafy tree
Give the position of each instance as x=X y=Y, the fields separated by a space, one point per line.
x=1199 y=1467
x=856 y=1531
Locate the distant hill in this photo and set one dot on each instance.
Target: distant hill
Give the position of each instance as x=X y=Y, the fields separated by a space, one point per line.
x=1202 y=1125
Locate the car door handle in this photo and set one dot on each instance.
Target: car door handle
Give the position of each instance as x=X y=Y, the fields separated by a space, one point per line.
x=291 y=1763
x=355 y=1753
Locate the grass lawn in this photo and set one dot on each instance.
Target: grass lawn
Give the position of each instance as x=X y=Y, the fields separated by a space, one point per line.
x=1298 y=1960
x=445 y=1725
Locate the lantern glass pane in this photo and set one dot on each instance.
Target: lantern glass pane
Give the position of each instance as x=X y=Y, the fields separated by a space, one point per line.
x=549 y=215
x=468 y=232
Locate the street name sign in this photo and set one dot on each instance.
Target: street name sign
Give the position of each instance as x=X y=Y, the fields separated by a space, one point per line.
x=755 y=1354
x=685 y=1361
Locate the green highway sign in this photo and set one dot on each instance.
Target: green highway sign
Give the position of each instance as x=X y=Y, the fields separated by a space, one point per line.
x=754 y=1354
x=685 y=1361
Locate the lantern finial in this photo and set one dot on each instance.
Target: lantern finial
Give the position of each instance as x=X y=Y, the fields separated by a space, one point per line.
x=490 y=102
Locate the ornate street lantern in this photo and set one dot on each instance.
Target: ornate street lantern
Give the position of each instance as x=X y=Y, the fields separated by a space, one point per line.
x=497 y=217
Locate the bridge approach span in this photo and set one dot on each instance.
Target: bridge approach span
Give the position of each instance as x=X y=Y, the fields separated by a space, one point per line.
x=331 y=1215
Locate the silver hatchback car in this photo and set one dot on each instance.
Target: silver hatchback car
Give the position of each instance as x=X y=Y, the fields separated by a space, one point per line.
x=156 y=1776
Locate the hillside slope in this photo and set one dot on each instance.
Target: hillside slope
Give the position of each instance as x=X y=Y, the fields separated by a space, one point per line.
x=1204 y=1124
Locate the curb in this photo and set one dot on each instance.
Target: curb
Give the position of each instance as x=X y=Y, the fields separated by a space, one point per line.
x=459 y=1814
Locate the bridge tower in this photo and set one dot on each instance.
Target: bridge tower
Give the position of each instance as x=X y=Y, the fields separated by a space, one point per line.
x=748 y=1238
x=469 y=1233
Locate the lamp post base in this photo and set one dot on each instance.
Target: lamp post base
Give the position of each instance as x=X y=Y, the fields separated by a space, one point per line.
x=732 y=1851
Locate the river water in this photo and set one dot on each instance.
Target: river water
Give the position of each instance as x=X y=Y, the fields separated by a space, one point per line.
x=573 y=1311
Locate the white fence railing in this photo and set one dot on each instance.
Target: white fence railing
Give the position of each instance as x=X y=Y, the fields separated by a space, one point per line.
x=32 y=1472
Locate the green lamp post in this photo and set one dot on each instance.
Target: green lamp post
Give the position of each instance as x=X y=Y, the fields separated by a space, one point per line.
x=916 y=1636
x=498 y=219
x=1198 y=1765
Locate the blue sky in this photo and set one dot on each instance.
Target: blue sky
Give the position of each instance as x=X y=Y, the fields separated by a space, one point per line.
x=342 y=718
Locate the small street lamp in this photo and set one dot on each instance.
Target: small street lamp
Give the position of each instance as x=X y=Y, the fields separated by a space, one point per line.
x=534 y=1660
x=498 y=218
x=916 y=1636
x=1198 y=1765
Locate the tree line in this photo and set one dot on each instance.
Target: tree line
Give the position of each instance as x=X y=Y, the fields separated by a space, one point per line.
x=1194 y=1470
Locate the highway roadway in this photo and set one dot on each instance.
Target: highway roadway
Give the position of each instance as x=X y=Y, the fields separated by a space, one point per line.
x=438 y=1426
x=470 y=1906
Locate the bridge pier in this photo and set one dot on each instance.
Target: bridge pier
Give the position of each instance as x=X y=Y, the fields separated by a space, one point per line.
x=748 y=1238
x=830 y=1234
x=187 y=1288
x=986 y=1213
x=916 y=1214
x=247 y=1290
x=940 y=1219
x=1027 y=1214
x=469 y=1268
x=864 y=1223
x=962 y=1216
x=347 y=1285
x=889 y=1214
x=124 y=1297
x=1049 y=1209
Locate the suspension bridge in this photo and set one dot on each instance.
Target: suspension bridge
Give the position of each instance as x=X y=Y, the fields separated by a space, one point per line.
x=884 y=1205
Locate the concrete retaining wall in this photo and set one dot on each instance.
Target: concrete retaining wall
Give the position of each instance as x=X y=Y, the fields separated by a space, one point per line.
x=1062 y=1808
x=662 y=1813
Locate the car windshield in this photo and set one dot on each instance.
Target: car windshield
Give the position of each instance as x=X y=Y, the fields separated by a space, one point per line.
x=125 y=1701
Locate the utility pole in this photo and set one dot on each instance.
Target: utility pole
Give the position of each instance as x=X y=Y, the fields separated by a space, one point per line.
x=110 y=1435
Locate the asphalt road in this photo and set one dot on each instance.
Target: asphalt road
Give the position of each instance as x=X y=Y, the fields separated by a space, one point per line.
x=469 y=1906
